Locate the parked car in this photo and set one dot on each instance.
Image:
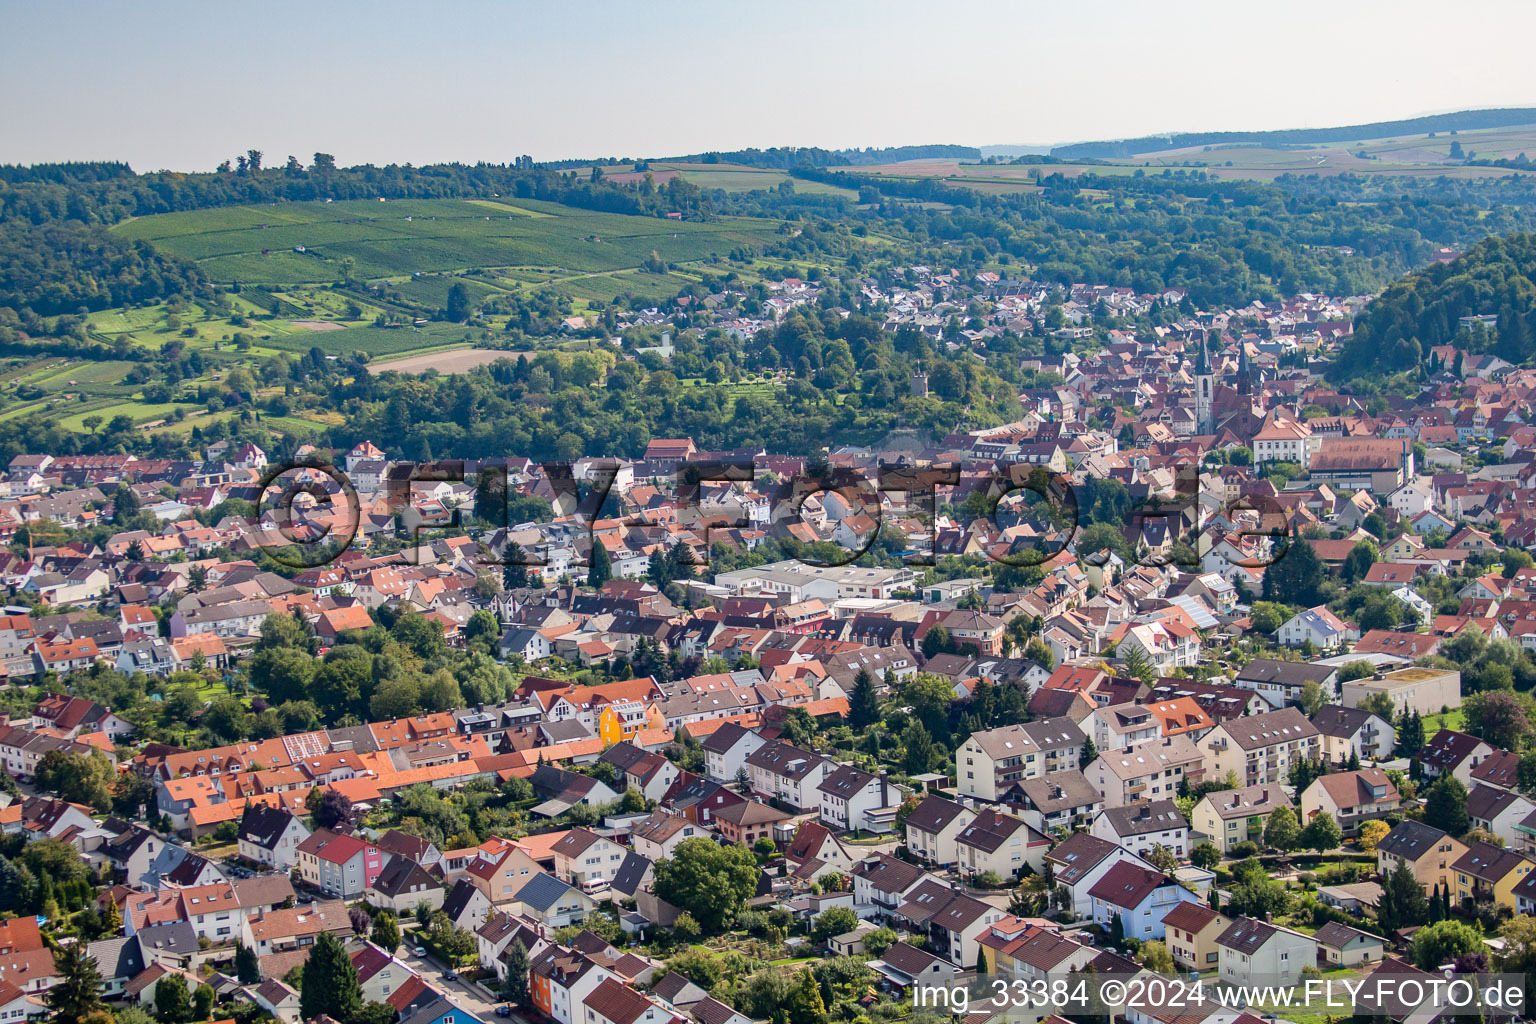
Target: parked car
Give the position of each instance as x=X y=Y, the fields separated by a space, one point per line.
x=503 y=1010
x=420 y=951
x=450 y=975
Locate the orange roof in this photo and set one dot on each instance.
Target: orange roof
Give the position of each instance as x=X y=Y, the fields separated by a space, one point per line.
x=540 y=847
x=210 y=645
x=338 y=619
x=827 y=706
x=359 y=790
x=434 y=773
x=698 y=730
x=1181 y=715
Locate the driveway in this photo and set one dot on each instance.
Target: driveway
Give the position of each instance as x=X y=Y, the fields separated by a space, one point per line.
x=459 y=992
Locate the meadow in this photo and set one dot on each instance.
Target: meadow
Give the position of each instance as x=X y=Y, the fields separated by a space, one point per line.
x=1428 y=155
x=303 y=243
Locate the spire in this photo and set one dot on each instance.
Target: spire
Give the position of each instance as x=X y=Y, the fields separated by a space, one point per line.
x=1203 y=359
x=1244 y=370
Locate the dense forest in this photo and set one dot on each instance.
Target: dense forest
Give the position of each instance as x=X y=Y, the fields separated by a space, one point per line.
x=1461 y=120
x=1423 y=310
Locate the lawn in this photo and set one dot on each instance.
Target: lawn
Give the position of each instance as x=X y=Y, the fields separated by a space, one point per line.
x=1453 y=720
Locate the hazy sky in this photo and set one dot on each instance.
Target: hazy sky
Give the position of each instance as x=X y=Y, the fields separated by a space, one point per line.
x=184 y=85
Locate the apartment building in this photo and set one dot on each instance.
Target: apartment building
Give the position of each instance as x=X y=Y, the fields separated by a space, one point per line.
x=990 y=763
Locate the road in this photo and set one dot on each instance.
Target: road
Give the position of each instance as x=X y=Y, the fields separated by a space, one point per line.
x=460 y=993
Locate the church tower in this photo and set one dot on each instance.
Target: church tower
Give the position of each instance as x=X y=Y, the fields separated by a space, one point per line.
x=1205 y=420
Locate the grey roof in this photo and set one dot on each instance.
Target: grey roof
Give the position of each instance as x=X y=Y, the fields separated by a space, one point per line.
x=1058 y=791
x=1079 y=854
x=1284 y=673
x=724 y=738
x=174 y=937
x=433 y=1011
x=1411 y=839
x=1340 y=935
x=934 y=813
x=117 y=958
x=264 y=826
x=1247 y=802
x=542 y=891
x=1341 y=722
x=678 y=990
x=400 y=874
x=459 y=898
x=1257 y=731
x=1142 y=818
x=630 y=874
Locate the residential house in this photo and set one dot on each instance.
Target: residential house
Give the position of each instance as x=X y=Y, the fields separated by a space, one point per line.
x=587 y=860
x=1489 y=873
x=1319 y=627
x=999 y=844
x=271 y=836
x=1262 y=953
x=342 y=865
x=1227 y=817
x=1346 y=732
x=1343 y=946
x=403 y=885
x=1425 y=690
x=553 y=903
x=932 y=827
x=1191 y=929
x=783 y=772
x=1080 y=862
x=1351 y=798
x=1427 y=852
x=1058 y=801
x=857 y=801
x=1499 y=812
x=1140 y=897
x=1140 y=828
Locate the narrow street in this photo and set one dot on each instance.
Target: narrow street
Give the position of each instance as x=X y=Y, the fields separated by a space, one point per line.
x=461 y=993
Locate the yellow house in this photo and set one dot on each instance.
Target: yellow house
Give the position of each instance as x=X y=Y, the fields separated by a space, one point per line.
x=1488 y=872
x=1405 y=546
x=621 y=720
x=1191 y=933
x=1424 y=850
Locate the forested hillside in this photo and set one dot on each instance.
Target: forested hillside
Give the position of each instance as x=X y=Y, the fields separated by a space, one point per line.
x=1397 y=331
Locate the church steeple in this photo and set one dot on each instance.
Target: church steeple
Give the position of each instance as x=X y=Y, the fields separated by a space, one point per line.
x=1205 y=419
x=1244 y=371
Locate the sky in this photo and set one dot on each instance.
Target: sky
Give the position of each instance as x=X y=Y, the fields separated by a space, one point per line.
x=183 y=86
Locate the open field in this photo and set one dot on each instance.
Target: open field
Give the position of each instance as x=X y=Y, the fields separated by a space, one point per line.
x=452 y=360
x=1397 y=156
x=308 y=242
x=376 y=341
